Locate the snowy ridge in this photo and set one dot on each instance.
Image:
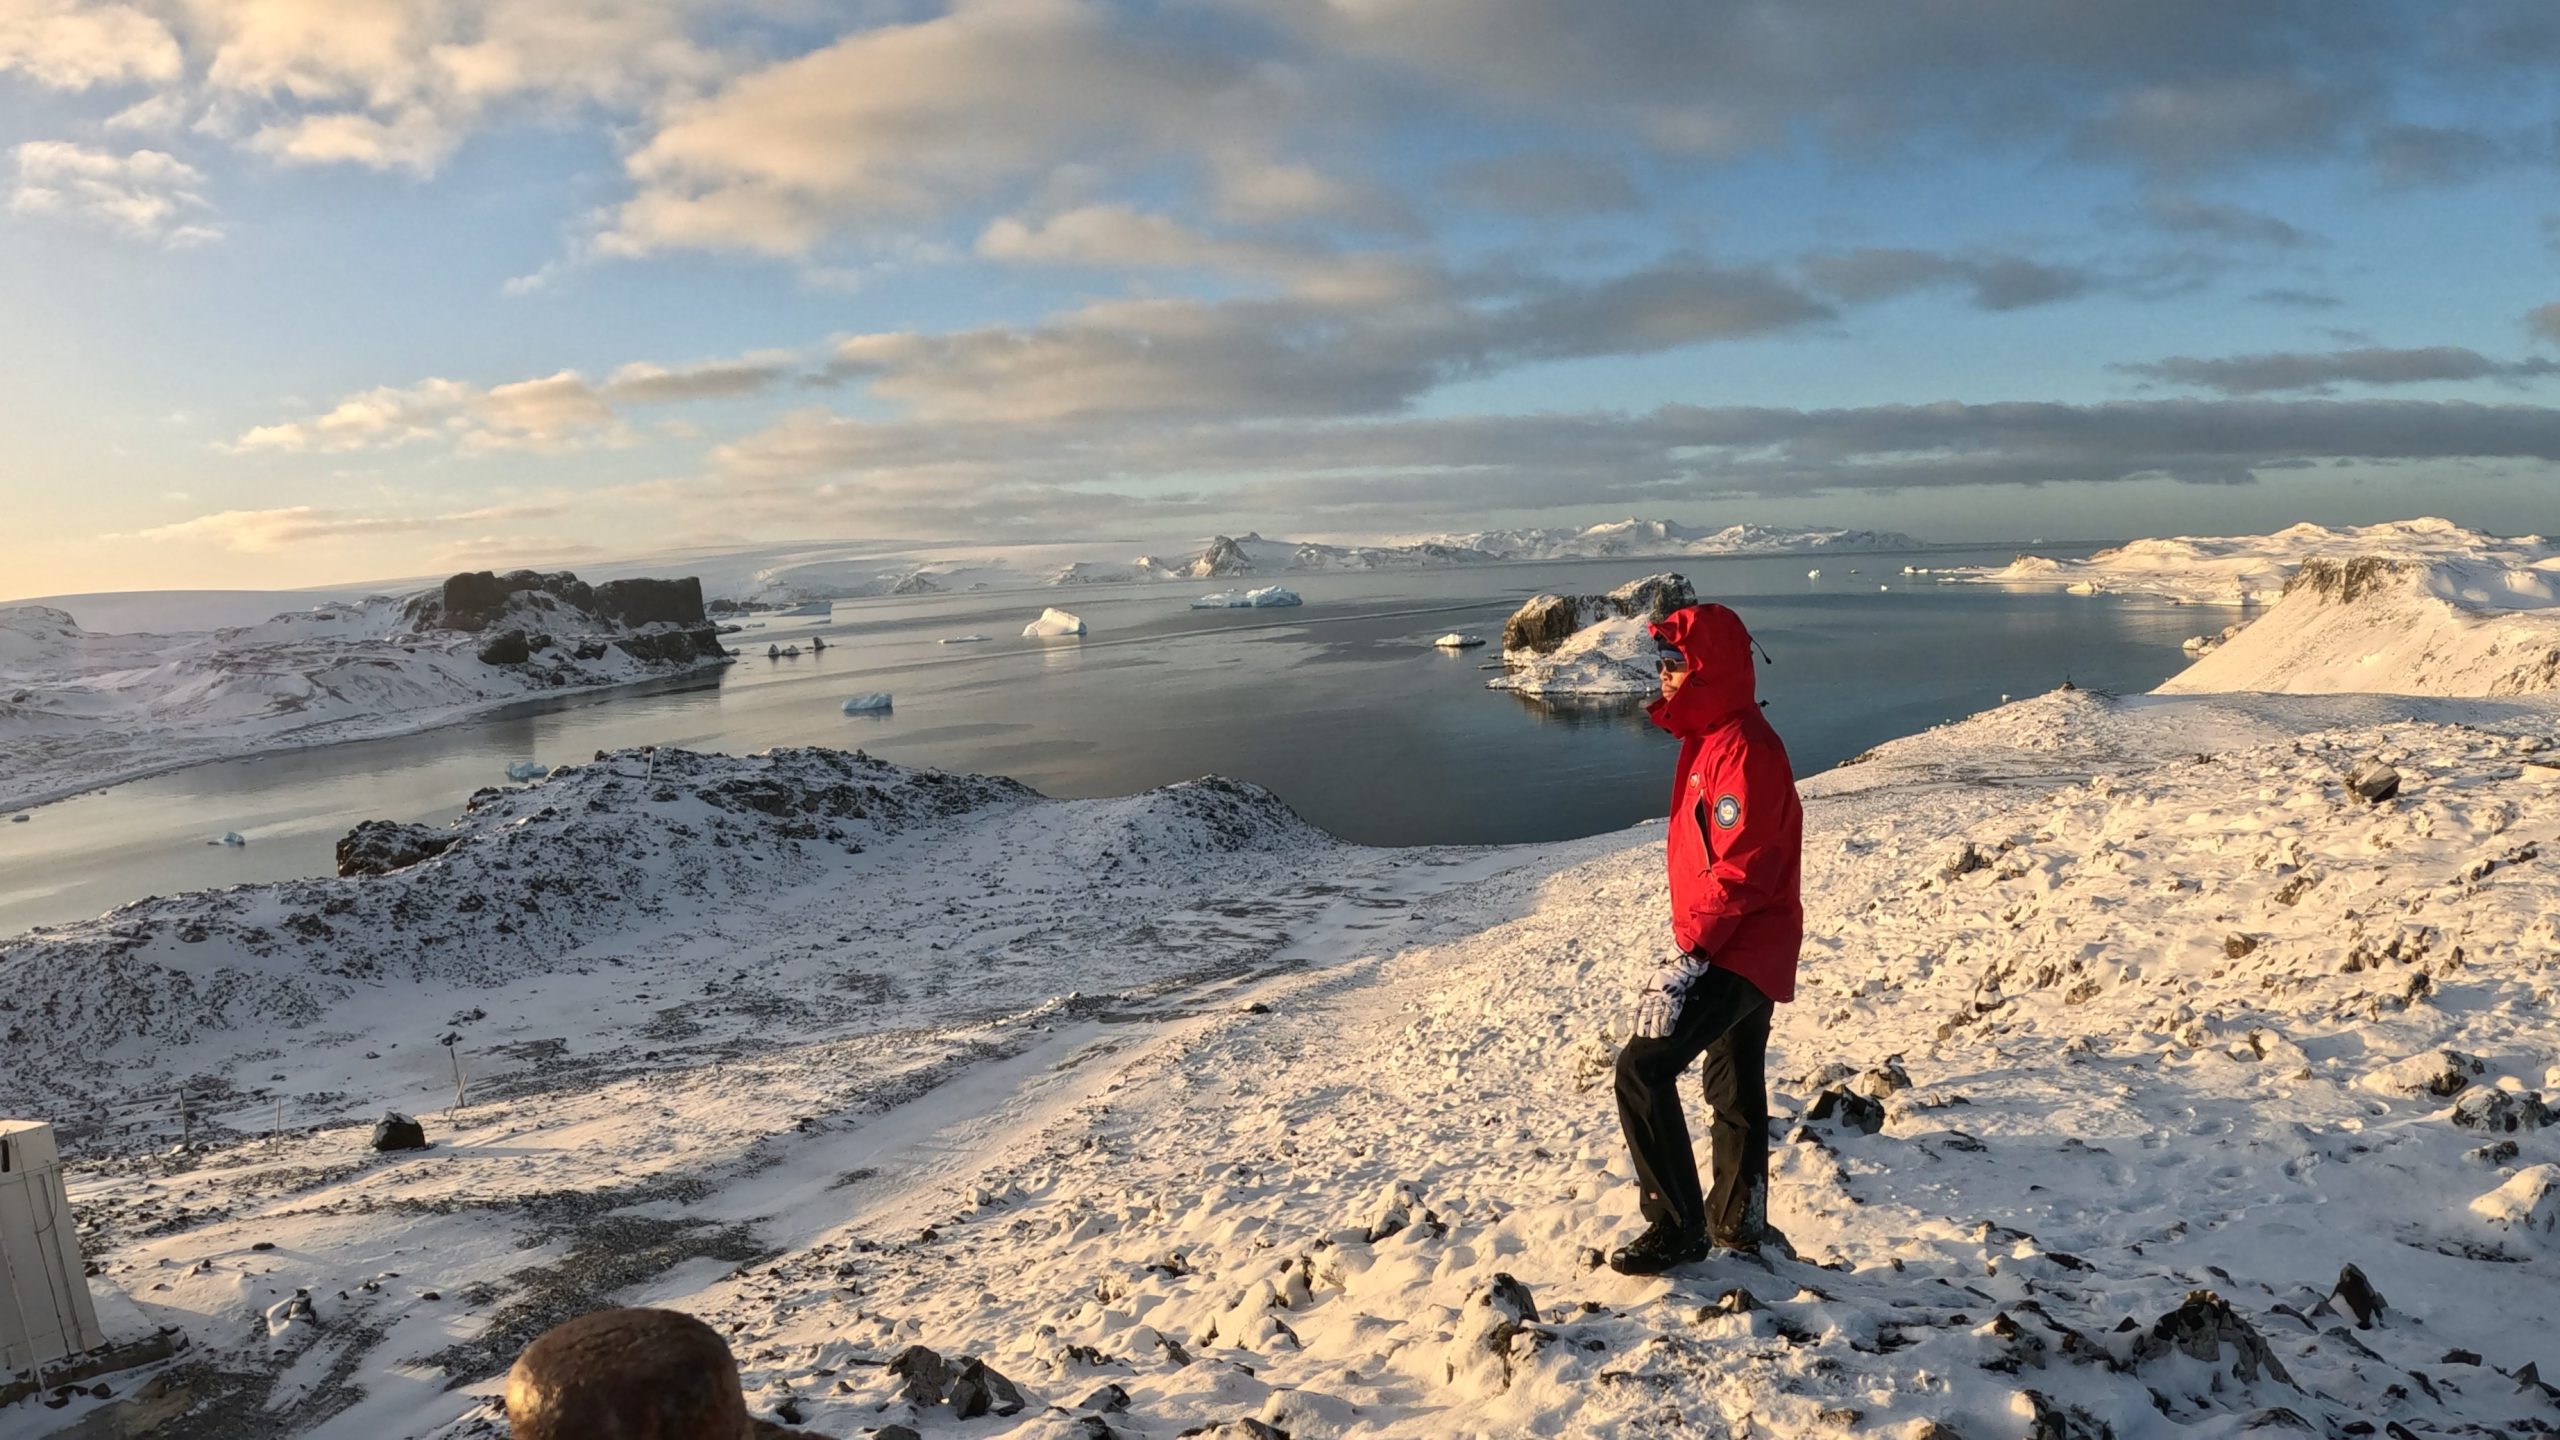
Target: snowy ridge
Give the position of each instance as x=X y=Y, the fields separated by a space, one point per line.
x=1633 y=538
x=529 y=881
x=817 y=574
x=2253 y=569
x=2382 y=624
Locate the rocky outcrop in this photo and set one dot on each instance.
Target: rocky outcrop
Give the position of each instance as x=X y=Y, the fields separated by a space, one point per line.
x=474 y=600
x=1547 y=621
x=477 y=600
x=2346 y=581
x=1225 y=556
x=507 y=647
x=639 y=602
x=378 y=847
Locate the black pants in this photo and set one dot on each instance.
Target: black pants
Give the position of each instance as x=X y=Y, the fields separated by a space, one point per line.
x=1725 y=1019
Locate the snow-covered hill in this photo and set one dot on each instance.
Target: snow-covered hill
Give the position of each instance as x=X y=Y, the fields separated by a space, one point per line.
x=80 y=709
x=2253 y=569
x=1172 y=1095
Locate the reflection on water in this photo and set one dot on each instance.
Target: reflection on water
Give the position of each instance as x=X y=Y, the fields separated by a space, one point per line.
x=1342 y=706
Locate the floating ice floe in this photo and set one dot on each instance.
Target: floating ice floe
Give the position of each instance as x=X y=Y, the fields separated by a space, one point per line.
x=813 y=607
x=231 y=838
x=2081 y=587
x=961 y=640
x=1053 y=622
x=872 y=703
x=1455 y=641
x=527 y=770
x=1267 y=597
x=1813 y=574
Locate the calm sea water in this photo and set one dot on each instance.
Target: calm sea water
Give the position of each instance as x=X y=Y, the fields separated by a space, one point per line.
x=1339 y=705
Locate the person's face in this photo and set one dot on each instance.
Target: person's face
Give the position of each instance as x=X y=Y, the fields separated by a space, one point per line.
x=1674 y=670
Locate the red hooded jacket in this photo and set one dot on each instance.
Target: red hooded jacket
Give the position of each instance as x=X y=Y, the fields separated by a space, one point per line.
x=1737 y=830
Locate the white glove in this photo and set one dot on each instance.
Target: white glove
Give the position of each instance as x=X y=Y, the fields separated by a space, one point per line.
x=1658 y=1004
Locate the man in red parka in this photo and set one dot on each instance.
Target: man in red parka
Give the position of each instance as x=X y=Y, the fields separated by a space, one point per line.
x=1737 y=919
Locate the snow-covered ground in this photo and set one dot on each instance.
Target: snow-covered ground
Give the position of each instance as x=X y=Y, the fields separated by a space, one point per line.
x=1175 y=1109
x=80 y=708
x=2252 y=569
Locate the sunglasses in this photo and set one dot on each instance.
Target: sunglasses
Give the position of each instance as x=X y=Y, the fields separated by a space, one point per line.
x=1670 y=661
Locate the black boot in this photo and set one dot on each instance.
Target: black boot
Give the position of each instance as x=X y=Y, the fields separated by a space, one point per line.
x=1664 y=1244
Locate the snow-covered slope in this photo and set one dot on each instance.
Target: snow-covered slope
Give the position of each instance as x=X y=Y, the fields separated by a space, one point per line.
x=2244 y=569
x=2465 y=626
x=80 y=709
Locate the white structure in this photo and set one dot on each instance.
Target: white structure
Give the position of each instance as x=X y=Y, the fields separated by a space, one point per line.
x=45 y=1309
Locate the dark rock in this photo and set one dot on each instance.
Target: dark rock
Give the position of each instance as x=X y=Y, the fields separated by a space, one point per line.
x=896 y=1432
x=2050 y=1420
x=507 y=647
x=2358 y=1295
x=1109 y=1398
x=634 y=603
x=1508 y=1294
x=1967 y=859
x=1090 y=1427
x=1848 y=1111
x=2460 y=1357
x=378 y=847
x=590 y=650
x=979 y=1390
x=2500 y=1112
x=2235 y=946
x=672 y=647
x=2375 y=782
x=924 y=1376
x=395 y=1131
x=2203 y=1327
x=2277 y=1416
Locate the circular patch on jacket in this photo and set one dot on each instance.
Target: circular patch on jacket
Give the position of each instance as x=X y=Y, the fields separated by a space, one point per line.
x=1728 y=812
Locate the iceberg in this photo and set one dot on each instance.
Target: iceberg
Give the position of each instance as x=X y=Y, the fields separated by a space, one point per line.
x=1268 y=597
x=960 y=640
x=1455 y=641
x=1053 y=622
x=872 y=703
x=813 y=607
x=1814 y=574
x=527 y=770
x=231 y=838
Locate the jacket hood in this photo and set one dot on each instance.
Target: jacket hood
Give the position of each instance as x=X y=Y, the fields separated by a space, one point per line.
x=1720 y=682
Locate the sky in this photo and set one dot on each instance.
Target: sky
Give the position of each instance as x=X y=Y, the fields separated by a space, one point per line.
x=300 y=292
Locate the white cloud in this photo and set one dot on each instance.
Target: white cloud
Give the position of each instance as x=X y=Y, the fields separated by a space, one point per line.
x=148 y=194
x=550 y=413
x=896 y=125
x=69 y=44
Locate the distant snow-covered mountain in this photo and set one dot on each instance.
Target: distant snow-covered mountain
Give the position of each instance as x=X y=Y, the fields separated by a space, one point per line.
x=1632 y=537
